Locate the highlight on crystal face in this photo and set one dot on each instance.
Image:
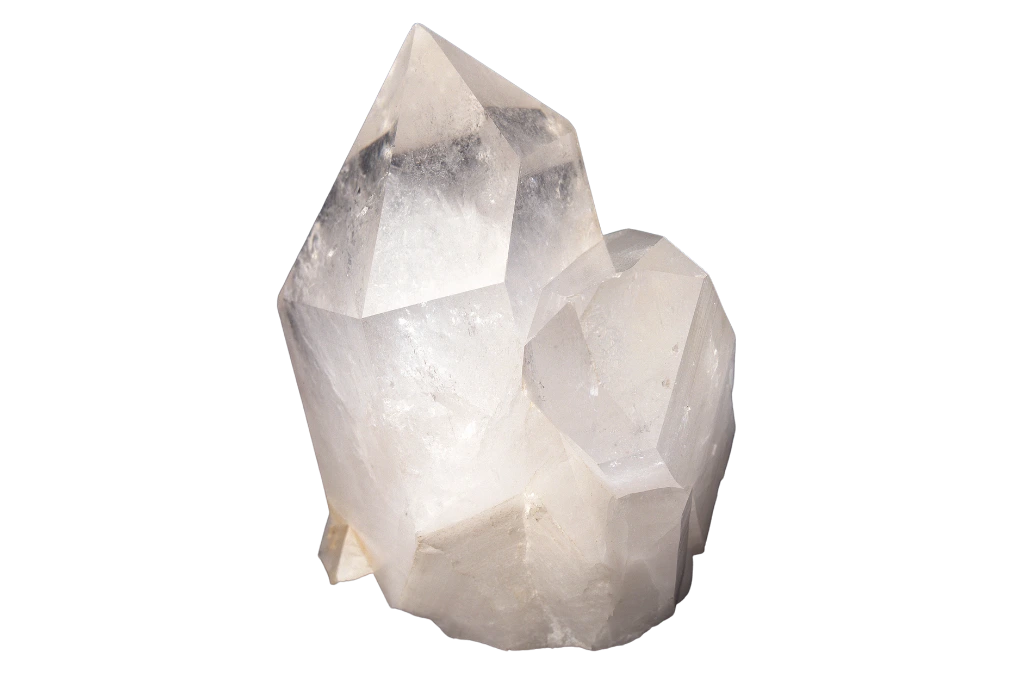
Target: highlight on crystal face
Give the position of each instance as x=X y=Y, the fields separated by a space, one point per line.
x=521 y=424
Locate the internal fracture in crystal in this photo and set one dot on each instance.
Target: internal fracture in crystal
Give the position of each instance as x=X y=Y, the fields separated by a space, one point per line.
x=521 y=424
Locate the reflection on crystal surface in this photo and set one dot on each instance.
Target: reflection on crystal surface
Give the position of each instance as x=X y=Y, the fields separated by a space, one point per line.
x=444 y=226
x=521 y=424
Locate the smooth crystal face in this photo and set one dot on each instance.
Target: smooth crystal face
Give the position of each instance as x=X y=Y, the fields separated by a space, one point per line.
x=521 y=424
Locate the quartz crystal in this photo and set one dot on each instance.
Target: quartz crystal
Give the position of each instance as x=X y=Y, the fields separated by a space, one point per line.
x=521 y=424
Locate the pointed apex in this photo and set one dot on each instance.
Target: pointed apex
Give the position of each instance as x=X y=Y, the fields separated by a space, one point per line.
x=436 y=104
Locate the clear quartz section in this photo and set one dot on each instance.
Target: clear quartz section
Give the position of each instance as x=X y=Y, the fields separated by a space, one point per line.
x=521 y=424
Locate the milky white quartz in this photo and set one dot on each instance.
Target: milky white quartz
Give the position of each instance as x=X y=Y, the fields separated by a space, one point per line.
x=521 y=424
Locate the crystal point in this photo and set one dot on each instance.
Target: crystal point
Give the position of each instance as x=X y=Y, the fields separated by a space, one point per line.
x=521 y=424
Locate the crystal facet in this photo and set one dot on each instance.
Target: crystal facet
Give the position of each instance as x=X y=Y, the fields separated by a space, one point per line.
x=521 y=424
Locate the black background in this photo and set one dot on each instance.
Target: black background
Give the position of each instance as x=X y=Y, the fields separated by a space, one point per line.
x=680 y=119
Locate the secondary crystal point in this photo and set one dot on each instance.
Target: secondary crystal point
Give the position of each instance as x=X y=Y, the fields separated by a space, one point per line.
x=521 y=424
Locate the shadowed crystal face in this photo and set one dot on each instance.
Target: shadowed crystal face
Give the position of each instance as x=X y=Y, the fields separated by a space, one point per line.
x=521 y=424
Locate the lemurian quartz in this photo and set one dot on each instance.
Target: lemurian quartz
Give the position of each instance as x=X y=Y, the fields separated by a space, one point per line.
x=521 y=424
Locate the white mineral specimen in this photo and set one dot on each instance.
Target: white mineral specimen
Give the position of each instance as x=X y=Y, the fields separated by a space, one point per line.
x=521 y=424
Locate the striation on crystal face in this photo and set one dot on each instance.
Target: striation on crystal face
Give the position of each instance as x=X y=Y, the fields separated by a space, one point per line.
x=521 y=424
